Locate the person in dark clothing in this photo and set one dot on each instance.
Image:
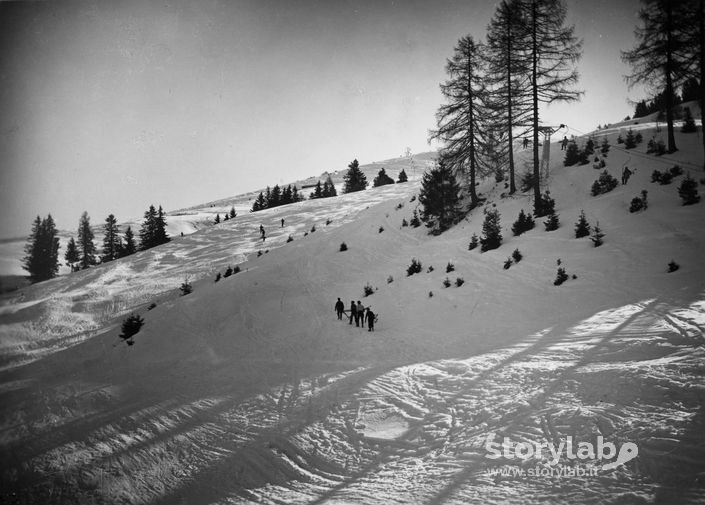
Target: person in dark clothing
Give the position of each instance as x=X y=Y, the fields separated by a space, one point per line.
x=564 y=143
x=370 y=316
x=525 y=143
x=282 y=222
x=261 y=230
x=360 y=321
x=353 y=311
x=626 y=174
x=339 y=308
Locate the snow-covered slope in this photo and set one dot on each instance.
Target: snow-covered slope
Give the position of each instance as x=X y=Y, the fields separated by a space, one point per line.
x=251 y=390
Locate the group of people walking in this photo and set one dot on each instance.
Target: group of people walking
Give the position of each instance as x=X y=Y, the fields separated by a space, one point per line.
x=358 y=313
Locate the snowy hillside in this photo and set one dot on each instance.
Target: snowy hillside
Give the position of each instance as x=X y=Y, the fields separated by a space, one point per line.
x=250 y=390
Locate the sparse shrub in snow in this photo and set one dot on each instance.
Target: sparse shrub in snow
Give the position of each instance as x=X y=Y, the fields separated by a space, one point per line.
x=217 y=277
x=523 y=223
x=638 y=203
x=638 y=138
x=552 y=223
x=508 y=263
x=390 y=279
x=259 y=253
x=313 y=228
x=656 y=147
x=517 y=256
x=582 y=227
x=604 y=184
x=688 y=191
x=446 y=282
x=413 y=198
x=404 y=223
x=597 y=235
x=130 y=327
x=414 y=267
x=381 y=229
x=673 y=266
x=402 y=176
x=561 y=277
x=459 y=282
x=369 y=290
x=328 y=222
x=430 y=269
x=676 y=170
x=589 y=148
x=620 y=140
x=186 y=288
x=237 y=269
x=546 y=205
x=290 y=239
x=491 y=231
x=430 y=294
x=399 y=206
x=474 y=242
x=343 y=246
x=152 y=306
x=217 y=219
x=656 y=176
x=450 y=267
x=228 y=272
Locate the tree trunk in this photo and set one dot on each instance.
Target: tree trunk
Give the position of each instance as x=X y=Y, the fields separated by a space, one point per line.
x=669 y=78
x=535 y=100
x=473 y=192
x=701 y=45
x=512 y=183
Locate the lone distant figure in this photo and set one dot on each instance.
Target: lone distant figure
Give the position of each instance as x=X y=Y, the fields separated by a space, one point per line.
x=626 y=174
x=261 y=230
x=526 y=142
x=353 y=311
x=370 y=316
x=564 y=143
x=282 y=222
x=339 y=308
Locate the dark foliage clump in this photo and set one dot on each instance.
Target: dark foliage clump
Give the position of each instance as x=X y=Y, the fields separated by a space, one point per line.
x=446 y=282
x=508 y=263
x=552 y=223
x=343 y=246
x=130 y=327
x=217 y=277
x=597 y=235
x=459 y=282
x=474 y=242
x=491 y=231
x=639 y=203
x=450 y=267
x=517 y=256
x=545 y=206
x=368 y=289
x=523 y=223
x=414 y=267
x=604 y=184
x=656 y=147
x=561 y=277
x=582 y=227
x=688 y=191
x=186 y=288
x=673 y=266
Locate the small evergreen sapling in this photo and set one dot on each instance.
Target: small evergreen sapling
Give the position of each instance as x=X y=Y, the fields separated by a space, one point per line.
x=450 y=267
x=517 y=256
x=186 y=288
x=605 y=146
x=597 y=235
x=390 y=279
x=130 y=327
x=415 y=221
x=414 y=267
x=343 y=246
x=638 y=203
x=381 y=229
x=474 y=242
x=459 y=282
x=368 y=289
x=673 y=266
x=582 y=227
x=404 y=223
x=217 y=277
x=604 y=184
x=446 y=282
x=688 y=191
x=523 y=223
x=228 y=272
x=561 y=276
x=508 y=263
x=552 y=223
x=290 y=239
x=491 y=231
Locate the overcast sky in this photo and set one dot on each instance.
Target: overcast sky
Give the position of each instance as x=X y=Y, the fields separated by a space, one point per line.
x=109 y=106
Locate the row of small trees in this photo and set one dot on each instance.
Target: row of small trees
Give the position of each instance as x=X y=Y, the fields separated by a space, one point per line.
x=41 y=258
x=275 y=197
